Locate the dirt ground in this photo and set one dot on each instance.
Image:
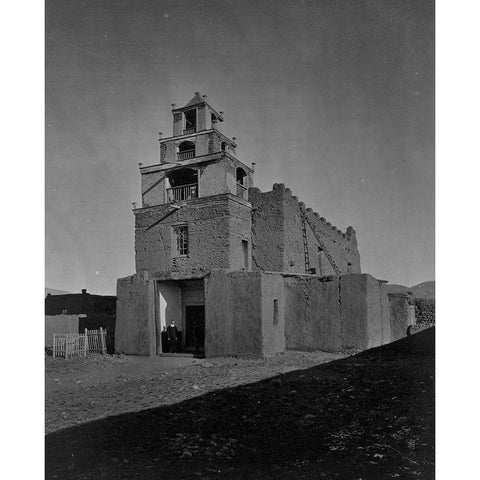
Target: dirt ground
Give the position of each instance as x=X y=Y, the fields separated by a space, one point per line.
x=369 y=416
x=79 y=390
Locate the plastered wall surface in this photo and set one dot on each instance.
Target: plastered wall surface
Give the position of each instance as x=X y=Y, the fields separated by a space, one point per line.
x=135 y=327
x=342 y=313
x=272 y=314
x=59 y=324
x=378 y=326
x=153 y=188
x=312 y=314
x=233 y=314
x=212 y=179
x=399 y=315
x=209 y=221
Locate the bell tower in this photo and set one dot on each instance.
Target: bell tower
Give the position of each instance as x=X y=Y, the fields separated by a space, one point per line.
x=198 y=160
x=195 y=214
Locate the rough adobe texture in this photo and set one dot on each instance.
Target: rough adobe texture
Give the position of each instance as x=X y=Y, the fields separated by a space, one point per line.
x=278 y=220
x=425 y=311
x=214 y=226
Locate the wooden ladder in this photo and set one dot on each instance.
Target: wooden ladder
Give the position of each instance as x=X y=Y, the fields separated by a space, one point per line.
x=305 y=244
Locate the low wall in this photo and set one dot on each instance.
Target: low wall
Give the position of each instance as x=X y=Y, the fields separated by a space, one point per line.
x=135 y=325
x=399 y=304
x=425 y=311
x=335 y=313
x=59 y=324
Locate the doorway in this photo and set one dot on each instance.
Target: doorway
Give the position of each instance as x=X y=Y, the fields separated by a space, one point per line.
x=195 y=329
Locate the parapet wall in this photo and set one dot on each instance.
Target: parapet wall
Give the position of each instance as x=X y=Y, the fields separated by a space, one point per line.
x=279 y=221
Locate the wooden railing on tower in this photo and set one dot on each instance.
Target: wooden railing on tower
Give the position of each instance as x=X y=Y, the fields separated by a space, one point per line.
x=186 y=155
x=184 y=192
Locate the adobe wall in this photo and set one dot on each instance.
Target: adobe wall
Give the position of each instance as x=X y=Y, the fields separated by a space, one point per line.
x=273 y=314
x=277 y=237
x=210 y=222
x=400 y=320
x=312 y=314
x=267 y=230
x=335 y=313
x=135 y=326
x=233 y=322
x=153 y=187
x=62 y=323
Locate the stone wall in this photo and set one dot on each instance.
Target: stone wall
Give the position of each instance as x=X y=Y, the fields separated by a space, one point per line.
x=425 y=311
x=335 y=313
x=215 y=225
x=278 y=221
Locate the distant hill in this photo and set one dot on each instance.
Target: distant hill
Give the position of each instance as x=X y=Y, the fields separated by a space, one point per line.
x=422 y=290
x=52 y=291
x=394 y=288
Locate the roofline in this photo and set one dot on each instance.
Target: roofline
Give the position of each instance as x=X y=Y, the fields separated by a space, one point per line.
x=209 y=157
x=181 y=137
x=191 y=107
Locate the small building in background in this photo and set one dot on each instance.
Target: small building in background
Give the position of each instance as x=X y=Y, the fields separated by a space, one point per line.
x=75 y=312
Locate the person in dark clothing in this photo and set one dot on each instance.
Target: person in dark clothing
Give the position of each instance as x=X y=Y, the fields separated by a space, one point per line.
x=172 y=334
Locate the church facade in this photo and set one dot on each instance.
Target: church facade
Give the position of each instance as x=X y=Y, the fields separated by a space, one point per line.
x=241 y=271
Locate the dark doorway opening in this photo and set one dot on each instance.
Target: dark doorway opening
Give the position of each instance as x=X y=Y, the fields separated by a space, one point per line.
x=195 y=329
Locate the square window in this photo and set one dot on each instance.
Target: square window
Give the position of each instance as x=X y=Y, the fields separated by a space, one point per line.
x=180 y=234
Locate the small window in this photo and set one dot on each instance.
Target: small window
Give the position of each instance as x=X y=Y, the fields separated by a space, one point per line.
x=180 y=233
x=275 y=311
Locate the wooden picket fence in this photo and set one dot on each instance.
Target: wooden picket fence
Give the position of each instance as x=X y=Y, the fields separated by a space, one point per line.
x=79 y=344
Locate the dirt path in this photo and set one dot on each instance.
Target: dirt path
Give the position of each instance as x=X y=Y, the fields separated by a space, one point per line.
x=80 y=390
x=365 y=417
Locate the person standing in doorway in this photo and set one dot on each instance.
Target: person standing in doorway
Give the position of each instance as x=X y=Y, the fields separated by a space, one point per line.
x=172 y=334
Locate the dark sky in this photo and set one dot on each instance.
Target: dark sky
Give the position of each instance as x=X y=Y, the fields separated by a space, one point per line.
x=333 y=98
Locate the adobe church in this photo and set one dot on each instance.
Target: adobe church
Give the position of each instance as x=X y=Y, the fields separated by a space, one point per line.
x=257 y=271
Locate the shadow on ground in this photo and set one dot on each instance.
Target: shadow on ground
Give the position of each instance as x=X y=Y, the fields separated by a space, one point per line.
x=369 y=416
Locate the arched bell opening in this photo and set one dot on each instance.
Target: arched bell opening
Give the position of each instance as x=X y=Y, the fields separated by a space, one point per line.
x=241 y=176
x=183 y=185
x=186 y=150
